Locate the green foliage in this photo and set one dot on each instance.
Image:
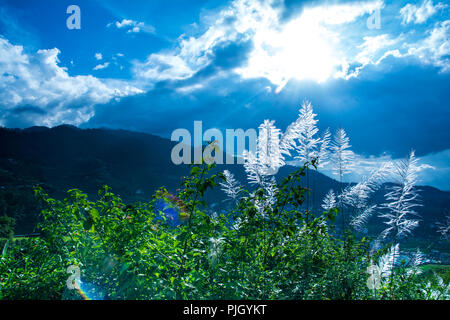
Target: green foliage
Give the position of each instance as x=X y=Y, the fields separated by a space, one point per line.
x=7 y=227
x=19 y=204
x=430 y=270
x=254 y=251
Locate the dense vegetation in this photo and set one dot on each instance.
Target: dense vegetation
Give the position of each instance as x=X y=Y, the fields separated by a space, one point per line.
x=135 y=165
x=168 y=248
x=269 y=240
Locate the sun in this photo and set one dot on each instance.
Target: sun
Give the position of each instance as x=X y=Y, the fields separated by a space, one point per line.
x=305 y=52
x=302 y=49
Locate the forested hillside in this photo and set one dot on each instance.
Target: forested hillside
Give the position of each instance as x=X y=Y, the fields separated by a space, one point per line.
x=134 y=165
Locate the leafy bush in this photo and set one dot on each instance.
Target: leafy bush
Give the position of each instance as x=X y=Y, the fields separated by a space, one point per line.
x=266 y=247
x=7 y=226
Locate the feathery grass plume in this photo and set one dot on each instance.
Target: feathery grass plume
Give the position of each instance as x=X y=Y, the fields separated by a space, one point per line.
x=253 y=168
x=238 y=223
x=416 y=260
x=342 y=161
x=360 y=220
x=357 y=196
x=214 y=217
x=387 y=262
x=402 y=200
x=268 y=158
x=231 y=187
x=260 y=205
x=377 y=177
x=269 y=152
x=323 y=156
x=270 y=191
x=215 y=248
x=342 y=157
x=374 y=281
x=444 y=227
x=307 y=142
x=329 y=201
x=444 y=288
x=432 y=293
x=290 y=135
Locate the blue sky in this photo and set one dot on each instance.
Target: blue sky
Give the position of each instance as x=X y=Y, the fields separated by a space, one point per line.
x=155 y=66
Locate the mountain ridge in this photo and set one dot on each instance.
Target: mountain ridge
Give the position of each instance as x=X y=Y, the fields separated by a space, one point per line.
x=134 y=164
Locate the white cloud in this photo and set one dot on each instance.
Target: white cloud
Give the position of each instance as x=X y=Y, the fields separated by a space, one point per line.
x=37 y=80
x=310 y=46
x=341 y=13
x=124 y=23
x=318 y=44
x=434 y=49
x=98 y=56
x=132 y=26
x=134 y=29
x=194 y=53
x=439 y=175
x=159 y=67
x=101 y=66
x=188 y=89
x=373 y=45
x=419 y=14
x=306 y=47
x=373 y=51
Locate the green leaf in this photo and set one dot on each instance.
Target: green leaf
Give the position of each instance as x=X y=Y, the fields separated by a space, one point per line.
x=195 y=171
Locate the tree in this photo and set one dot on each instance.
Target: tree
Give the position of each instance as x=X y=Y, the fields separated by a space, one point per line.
x=7 y=227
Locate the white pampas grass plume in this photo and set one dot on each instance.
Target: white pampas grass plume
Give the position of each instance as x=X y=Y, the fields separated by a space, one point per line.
x=253 y=168
x=231 y=187
x=269 y=198
x=444 y=227
x=329 y=201
x=269 y=152
x=358 y=196
x=387 y=262
x=402 y=200
x=417 y=259
x=360 y=221
x=307 y=141
x=323 y=155
x=215 y=249
x=268 y=158
x=342 y=157
x=432 y=293
x=290 y=135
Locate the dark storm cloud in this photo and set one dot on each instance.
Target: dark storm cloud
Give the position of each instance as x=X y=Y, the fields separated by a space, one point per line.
x=22 y=116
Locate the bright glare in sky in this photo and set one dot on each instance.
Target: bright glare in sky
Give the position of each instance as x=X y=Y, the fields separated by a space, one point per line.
x=305 y=52
x=301 y=49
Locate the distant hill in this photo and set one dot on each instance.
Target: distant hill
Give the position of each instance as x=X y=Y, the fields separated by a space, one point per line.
x=134 y=165
x=65 y=157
